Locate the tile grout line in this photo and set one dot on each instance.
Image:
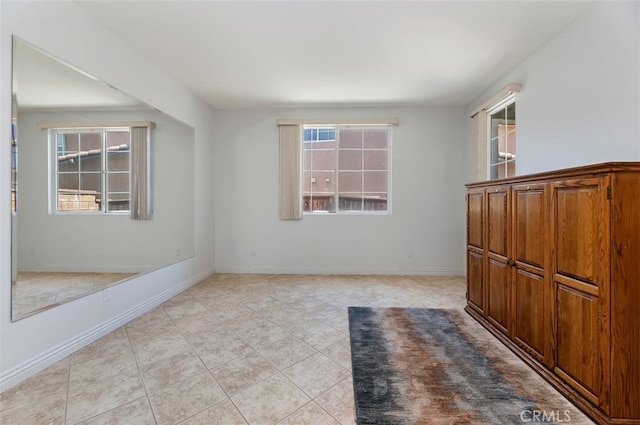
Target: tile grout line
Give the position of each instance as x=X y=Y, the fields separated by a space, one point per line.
x=66 y=401
x=135 y=358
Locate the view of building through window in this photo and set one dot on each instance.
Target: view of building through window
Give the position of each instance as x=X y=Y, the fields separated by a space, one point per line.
x=346 y=169
x=92 y=170
x=502 y=140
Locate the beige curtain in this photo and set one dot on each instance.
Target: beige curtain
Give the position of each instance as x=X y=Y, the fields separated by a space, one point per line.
x=140 y=183
x=480 y=148
x=290 y=172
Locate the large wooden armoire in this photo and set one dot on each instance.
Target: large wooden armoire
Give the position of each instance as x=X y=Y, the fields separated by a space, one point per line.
x=553 y=270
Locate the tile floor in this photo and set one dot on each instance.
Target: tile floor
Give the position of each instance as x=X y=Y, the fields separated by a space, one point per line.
x=33 y=292
x=233 y=349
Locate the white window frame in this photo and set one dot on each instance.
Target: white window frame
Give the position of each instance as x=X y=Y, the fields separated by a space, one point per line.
x=336 y=171
x=502 y=104
x=104 y=186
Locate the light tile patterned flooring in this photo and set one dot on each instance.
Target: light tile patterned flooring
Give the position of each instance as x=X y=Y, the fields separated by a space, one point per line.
x=233 y=349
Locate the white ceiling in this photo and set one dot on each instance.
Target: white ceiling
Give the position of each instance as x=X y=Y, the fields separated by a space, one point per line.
x=42 y=82
x=281 y=53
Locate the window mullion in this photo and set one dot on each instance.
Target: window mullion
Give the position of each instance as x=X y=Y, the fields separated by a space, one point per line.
x=336 y=170
x=56 y=176
x=362 y=170
x=103 y=186
x=311 y=175
x=81 y=164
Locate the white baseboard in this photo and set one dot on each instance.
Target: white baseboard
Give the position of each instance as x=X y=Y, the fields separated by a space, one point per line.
x=428 y=271
x=45 y=359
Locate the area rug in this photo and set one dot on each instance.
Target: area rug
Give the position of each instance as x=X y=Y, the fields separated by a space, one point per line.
x=433 y=366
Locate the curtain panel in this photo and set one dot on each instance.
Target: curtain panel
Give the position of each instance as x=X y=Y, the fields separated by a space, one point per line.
x=290 y=172
x=140 y=184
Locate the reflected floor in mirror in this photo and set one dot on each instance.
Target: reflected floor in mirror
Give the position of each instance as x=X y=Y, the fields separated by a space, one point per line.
x=37 y=291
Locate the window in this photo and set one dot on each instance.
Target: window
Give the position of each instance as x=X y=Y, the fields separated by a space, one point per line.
x=91 y=169
x=346 y=169
x=501 y=127
x=319 y=134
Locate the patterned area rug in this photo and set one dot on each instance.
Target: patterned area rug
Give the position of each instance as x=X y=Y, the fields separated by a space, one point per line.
x=431 y=366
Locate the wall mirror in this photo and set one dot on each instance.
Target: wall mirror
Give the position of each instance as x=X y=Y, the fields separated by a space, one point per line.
x=72 y=234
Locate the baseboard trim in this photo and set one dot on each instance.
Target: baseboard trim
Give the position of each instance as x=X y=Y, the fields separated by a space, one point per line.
x=47 y=358
x=342 y=270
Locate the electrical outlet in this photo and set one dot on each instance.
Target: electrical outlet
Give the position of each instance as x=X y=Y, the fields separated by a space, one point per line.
x=106 y=295
x=411 y=253
x=178 y=252
x=253 y=252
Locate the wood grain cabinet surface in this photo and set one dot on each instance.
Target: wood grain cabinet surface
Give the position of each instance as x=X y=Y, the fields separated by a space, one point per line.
x=553 y=270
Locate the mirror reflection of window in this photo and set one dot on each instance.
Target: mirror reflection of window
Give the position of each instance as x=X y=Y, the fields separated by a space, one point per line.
x=92 y=170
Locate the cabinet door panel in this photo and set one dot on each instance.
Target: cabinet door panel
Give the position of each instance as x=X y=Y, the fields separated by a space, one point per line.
x=498 y=220
x=475 y=219
x=498 y=280
x=475 y=279
x=530 y=324
x=578 y=340
x=581 y=225
x=530 y=224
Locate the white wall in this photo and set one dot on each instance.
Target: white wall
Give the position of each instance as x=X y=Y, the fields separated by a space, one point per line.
x=580 y=101
x=106 y=242
x=63 y=29
x=423 y=235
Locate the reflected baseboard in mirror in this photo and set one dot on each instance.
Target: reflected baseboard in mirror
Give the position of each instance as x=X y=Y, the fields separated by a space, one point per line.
x=33 y=292
x=46 y=236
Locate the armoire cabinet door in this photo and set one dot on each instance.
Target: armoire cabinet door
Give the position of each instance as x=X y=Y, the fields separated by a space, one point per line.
x=475 y=218
x=578 y=356
x=530 y=329
x=475 y=280
x=532 y=326
x=530 y=227
x=475 y=253
x=581 y=281
x=498 y=247
x=499 y=284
